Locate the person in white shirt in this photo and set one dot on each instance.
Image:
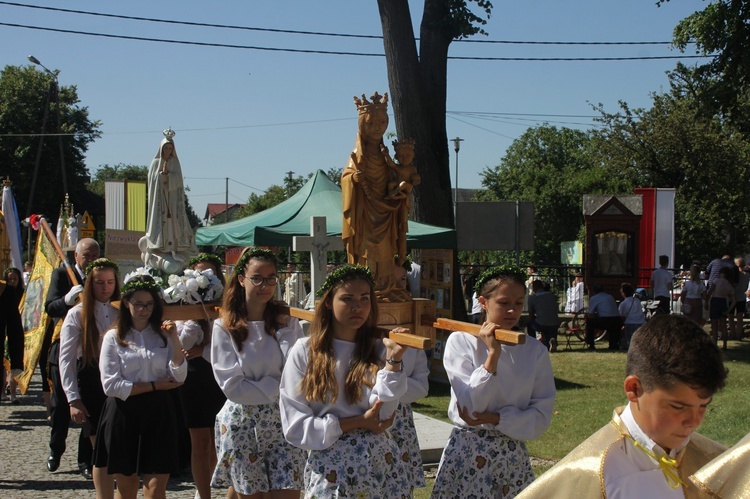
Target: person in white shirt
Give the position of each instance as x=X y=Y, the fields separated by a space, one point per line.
x=651 y=446
x=574 y=301
x=249 y=345
x=294 y=286
x=417 y=369
x=603 y=314
x=201 y=398
x=80 y=342
x=140 y=360
x=631 y=312
x=501 y=396
x=339 y=391
x=661 y=285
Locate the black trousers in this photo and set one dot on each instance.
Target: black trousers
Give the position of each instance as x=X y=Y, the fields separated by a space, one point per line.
x=613 y=325
x=60 y=415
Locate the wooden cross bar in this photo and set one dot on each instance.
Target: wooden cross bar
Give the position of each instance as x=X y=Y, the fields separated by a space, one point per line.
x=504 y=336
x=405 y=339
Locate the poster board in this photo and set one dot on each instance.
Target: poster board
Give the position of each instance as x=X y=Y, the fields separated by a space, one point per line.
x=436 y=283
x=121 y=246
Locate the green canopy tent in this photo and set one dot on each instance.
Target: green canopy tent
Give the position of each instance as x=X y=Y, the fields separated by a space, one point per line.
x=278 y=225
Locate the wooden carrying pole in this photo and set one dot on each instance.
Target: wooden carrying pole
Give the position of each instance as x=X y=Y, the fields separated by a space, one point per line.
x=53 y=239
x=504 y=336
x=405 y=339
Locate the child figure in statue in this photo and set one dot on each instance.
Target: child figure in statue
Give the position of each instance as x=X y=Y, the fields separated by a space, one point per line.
x=404 y=172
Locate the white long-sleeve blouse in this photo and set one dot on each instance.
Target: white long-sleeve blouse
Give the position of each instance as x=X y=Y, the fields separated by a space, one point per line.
x=417 y=370
x=191 y=333
x=70 y=343
x=144 y=359
x=315 y=425
x=522 y=391
x=251 y=376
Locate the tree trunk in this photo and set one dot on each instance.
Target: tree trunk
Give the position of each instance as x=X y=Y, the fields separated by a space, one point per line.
x=418 y=95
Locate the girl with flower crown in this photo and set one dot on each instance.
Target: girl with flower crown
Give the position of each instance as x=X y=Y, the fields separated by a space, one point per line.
x=339 y=391
x=140 y=360
x=500 y=396
x=80 y=343
x=200 y=397
x=249 y=345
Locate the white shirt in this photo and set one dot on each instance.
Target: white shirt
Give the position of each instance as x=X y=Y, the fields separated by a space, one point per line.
x=661 y=280
x=191 y=334
x=251 y=376
x=70 y=343
x=694 y=289
x=631 y=311
x=315 y=425
x=476 y=307
x=603 y=305
x=629 y=472
x=574 y=303
x=522 y=392
x=144 y=359
x=417 y=370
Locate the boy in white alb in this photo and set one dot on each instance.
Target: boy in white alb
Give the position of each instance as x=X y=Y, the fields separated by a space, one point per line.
x=650 y=447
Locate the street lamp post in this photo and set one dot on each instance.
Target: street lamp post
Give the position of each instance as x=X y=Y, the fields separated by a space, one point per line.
x=456 y=147
x=53 y=94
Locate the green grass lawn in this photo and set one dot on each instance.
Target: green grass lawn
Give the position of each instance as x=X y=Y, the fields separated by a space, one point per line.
x=589 y=387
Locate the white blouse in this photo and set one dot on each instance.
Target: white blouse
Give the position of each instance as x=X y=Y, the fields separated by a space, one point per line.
x=522 y=392
x=417 y=370
x=315 y=425
x=70 y=343
x=191 y=333
x=144 y=359
x=251 y=376
x=630 y=472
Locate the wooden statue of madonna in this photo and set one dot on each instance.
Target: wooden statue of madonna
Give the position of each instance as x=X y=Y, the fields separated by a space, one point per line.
x=375 y=220
x=169 y=241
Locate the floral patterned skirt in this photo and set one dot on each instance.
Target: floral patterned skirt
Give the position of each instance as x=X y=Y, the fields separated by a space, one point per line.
x=253 y=455
x=482 y=464
x=405 y=435
x=361 y=464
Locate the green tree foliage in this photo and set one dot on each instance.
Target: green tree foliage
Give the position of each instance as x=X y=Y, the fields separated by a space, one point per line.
x=133 y=173
x=120 y=171
x=552 y=167
x=676 y=144
x=25 y=93
x=257 y=203
x=721 y=30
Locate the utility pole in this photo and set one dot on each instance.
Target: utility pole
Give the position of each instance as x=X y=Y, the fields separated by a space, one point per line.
x=456 y=147
x=226 y=200
x=289 y=178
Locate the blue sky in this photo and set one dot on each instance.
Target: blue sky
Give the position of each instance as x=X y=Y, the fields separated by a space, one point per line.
x=253 y=115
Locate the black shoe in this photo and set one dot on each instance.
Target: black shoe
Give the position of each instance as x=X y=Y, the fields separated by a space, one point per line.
x=53 y=463
x=86 y=472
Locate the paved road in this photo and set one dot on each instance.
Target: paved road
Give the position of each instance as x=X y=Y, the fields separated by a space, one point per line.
x=24 y=447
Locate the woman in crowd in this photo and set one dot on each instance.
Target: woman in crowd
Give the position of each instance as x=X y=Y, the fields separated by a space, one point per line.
x=631 y=312
x=249 y=344
x=693 y=295
x=200 y=397
x=11 y=328
x=339 y=391
x=140 y=360
x=500 y=396
x=80 y=343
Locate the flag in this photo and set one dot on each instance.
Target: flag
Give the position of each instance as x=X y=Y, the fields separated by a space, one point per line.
x=13 y=227
x=33 y=315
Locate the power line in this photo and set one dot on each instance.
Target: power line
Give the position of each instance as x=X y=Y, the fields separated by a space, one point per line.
x=317 y=33
x=336 y=52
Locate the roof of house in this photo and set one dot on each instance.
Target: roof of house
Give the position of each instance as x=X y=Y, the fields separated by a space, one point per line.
x=213 y=209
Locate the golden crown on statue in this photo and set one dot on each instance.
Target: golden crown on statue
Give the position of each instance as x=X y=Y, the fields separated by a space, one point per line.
x=376 y=102
x=169 y=134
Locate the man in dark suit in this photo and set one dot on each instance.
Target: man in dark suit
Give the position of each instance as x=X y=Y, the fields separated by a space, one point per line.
x=61 y=297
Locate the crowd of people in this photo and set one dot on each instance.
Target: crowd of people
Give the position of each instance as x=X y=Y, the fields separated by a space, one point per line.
x=272 y=412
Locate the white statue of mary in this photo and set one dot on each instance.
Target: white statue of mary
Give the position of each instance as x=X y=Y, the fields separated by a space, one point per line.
x=169 y=241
